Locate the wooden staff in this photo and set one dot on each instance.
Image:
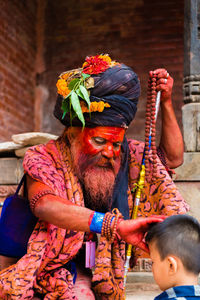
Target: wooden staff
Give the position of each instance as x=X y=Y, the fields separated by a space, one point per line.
x=153 y=103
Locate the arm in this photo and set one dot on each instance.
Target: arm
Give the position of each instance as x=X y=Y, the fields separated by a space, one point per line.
x=64 y=214
x=56 y=210
x=171 y=138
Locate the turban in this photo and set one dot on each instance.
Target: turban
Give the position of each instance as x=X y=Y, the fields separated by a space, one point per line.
x=119 y=87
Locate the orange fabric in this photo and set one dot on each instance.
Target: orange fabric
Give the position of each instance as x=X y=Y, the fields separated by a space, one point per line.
x=50 y=248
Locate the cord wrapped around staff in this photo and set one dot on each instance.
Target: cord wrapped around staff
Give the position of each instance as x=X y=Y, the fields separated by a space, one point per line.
x=152 y=107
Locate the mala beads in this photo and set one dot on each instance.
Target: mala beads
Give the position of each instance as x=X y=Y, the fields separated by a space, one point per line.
x=150 y=128
x=102 y=223
x=106 y=231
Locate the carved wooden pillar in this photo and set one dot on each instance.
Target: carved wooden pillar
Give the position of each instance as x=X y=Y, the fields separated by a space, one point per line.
x=191 y=86
x=188 y=175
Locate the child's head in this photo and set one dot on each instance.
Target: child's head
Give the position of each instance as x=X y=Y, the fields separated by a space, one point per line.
x=174 y=246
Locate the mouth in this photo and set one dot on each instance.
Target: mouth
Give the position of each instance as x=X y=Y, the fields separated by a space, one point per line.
x=106 y=165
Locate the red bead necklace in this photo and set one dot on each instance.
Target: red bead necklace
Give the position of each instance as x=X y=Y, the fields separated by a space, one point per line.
x=150 y=129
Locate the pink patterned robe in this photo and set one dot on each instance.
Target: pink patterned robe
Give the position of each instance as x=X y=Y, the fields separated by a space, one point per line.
x=50 y=248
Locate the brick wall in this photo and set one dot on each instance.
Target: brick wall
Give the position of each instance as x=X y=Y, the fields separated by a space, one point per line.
x=44 y=38
x=17 y=66
x=143 y=34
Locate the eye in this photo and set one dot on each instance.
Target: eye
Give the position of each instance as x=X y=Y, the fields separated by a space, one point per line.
x=99 y=140
x=117 y=145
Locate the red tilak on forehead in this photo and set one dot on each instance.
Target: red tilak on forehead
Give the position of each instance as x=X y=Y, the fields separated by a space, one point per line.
x=111 y=135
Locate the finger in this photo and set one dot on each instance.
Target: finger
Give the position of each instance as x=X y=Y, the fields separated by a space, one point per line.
x=162 y=81
x=142 y=224
x=162 y=87
x=161 y=73
x=155 y=219
x=159 y=216
x=151 y=73
x=143 y=246
x=160 y=70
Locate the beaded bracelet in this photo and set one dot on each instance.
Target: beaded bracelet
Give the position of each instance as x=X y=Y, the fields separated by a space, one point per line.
x=118 y=216
x=39 y=195
x=115 y=216
x=102 y=223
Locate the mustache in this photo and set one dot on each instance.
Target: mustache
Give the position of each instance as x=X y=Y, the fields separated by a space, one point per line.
x=97 y=160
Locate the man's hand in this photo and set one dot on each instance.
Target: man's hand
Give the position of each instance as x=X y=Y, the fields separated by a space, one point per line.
x=171 y=140
x=133 y=231
x=164 y=84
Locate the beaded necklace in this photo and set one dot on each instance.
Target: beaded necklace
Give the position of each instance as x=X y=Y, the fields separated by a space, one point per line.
x=152 y=105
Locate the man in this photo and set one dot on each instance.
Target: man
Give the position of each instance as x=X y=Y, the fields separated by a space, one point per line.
x=77 y=183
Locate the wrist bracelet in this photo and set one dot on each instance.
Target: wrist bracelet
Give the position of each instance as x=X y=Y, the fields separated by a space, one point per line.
x=39 y=195
x=114 y=217
x=97 y=222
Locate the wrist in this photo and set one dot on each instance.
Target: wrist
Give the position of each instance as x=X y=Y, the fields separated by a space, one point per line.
x=119 y=225
x=95 y=221
x=166 y=102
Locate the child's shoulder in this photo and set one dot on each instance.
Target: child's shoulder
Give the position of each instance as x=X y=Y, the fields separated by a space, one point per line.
x=186 y=292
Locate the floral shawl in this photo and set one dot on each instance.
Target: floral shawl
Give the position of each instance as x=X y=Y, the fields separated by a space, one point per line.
x=50 y=248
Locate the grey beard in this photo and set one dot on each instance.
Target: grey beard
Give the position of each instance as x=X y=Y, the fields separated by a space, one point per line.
x=101 y=203
x=97 y=182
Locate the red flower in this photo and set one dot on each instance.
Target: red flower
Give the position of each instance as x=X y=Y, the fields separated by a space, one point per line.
x=95 y=64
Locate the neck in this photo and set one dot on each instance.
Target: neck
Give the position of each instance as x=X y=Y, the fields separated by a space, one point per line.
x=186 y=279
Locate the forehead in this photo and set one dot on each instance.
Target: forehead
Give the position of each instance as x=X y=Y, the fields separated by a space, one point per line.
x=154 y=253
x=109 y=133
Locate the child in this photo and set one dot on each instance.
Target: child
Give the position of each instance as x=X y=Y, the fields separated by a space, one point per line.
x=174 y=246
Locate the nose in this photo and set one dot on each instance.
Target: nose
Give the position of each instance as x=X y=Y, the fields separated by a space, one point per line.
x=108 y=150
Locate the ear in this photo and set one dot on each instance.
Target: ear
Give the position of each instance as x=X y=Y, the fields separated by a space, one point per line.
x=172 y=264
x=72 y=133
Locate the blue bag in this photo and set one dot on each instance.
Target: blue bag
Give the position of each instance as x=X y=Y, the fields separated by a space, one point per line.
x=16 y=224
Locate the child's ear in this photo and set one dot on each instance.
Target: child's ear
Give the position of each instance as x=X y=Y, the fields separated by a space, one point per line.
x=172 y=264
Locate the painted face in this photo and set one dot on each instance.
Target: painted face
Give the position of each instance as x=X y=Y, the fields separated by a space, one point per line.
x=159 y=268
x=104 y=140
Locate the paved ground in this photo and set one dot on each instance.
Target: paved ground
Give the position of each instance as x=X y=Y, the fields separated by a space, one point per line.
x=141 y=291
x=141 y=286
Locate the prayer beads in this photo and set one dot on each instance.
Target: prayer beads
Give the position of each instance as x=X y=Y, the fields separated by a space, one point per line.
x=150 y=128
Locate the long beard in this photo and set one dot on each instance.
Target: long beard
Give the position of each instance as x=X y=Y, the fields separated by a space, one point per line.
x=98 y=186
x=97 y=176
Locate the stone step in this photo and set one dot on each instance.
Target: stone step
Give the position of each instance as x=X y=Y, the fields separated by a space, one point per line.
x=11 y=170
x=141 y=286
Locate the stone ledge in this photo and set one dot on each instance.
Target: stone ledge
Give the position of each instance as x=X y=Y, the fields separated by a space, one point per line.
x=190 y=191
x=11 y=170
x=189 y=171
x=191 y=121
x=140 y=277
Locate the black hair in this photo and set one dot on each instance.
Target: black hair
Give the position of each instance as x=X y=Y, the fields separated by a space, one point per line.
x=178 y=235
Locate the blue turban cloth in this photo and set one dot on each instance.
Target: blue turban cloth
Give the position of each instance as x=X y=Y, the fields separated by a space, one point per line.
x=118 y=86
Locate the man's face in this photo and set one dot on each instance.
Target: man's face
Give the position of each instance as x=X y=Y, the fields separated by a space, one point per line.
x=96 y=156
x=104 y=140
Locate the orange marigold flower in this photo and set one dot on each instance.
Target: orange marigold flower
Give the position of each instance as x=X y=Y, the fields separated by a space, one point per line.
x=94 y=106
x=106 y=57
x=84 y=107
x=62 y=87
x=107 y=104
x=100 y=106
x=66 y=76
